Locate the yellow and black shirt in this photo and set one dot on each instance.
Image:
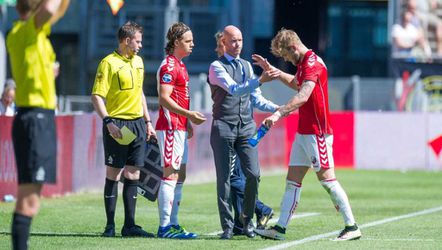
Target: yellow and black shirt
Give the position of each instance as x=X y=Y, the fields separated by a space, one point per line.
x=120 y=81
x=32 y=61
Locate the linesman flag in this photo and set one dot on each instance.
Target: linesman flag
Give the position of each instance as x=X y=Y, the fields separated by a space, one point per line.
x=115 y=5
x=436 y=145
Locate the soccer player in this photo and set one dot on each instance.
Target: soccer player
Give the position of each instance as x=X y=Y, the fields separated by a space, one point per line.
x=314 y=139
x=119 y=100
x=33 y=129
x=173 y=126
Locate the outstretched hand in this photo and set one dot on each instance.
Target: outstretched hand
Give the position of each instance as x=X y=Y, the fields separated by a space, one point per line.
x=261 y=62
x=196 y=117
x=268 y=75
x=271 y=120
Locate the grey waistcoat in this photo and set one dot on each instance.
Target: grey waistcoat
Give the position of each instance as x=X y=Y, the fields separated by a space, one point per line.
x=229 y=108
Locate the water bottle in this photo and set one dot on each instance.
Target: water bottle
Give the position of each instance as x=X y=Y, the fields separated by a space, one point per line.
x=8 y=198
x=262 y=130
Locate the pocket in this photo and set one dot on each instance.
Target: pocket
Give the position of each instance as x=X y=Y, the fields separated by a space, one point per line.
x=140 y=77
x=125 y=79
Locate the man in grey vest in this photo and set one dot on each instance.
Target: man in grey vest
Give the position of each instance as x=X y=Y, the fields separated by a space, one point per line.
x=232 y=83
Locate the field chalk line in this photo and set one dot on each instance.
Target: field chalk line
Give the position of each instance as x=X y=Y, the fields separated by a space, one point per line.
x=366 y=225
x=274 y=220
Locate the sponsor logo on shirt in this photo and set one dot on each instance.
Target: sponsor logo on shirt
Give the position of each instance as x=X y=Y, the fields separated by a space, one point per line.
x=167 y=78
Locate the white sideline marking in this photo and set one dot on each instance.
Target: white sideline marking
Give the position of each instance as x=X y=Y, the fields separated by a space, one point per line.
x=296 y=216
x=399 y=239
x=371 y=224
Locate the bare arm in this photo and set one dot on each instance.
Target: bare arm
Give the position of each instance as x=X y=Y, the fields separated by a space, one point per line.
x=50 y=10
x=166 y=101
x=299 y=99
x=286 y=78
x=289 y=80
x=61 y=11
x=293 y=104
x=100 y=108
x=150 y=130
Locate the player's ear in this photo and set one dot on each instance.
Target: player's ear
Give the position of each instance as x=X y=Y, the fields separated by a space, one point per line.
x=127 y=40
x=176 y=43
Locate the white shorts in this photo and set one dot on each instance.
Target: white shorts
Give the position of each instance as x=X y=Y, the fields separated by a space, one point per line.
x=312 y=151
x=186 y=151
x=171 y=143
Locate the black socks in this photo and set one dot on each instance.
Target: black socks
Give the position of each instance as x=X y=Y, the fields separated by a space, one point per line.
x=110 y=200
x=20 y=228
x=130 y=202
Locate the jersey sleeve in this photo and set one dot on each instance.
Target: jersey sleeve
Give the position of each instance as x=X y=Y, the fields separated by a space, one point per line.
x=310 y=70
x=167 y=74
x=102 y=79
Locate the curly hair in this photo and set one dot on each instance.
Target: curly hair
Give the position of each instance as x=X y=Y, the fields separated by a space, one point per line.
x=129 y=29
x=283 y=40
x=175 y=33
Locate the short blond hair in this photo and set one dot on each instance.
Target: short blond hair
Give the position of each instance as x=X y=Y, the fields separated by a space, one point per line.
x=283 y=40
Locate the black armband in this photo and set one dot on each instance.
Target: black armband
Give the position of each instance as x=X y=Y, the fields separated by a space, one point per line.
x=148 y=121
x=107 y=120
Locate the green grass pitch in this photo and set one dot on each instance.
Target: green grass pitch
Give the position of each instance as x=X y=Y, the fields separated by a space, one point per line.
x=76 y=221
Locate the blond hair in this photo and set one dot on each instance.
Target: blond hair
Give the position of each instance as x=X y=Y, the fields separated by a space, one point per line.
x=283 y=41
x=218 y=35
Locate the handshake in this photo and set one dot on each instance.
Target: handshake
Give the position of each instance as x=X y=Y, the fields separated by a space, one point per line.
x=269 y=71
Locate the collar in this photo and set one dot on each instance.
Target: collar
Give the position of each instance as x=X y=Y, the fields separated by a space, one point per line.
x=306 y=56
x=123 y=57
x=229 y=57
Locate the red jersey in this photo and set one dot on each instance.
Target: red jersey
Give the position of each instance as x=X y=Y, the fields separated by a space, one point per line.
x=314 y=117
x=173 y=72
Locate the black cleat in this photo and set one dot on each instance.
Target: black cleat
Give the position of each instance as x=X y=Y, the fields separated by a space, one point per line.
x=109 y=231
x=226 y=235
x=135 y=231
x=248 y=227
x=237 y=230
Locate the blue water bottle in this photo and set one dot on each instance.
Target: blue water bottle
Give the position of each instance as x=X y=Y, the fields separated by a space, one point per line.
x=262 y=130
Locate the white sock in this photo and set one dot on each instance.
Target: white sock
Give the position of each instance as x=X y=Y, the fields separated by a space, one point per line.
x=165 y=201
x=176 y=203
x=289 y=202
x=340 y=200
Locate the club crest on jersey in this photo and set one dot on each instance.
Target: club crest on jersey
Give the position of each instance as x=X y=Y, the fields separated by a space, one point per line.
x=311 y=60
x=167 y=78
x=314 y=160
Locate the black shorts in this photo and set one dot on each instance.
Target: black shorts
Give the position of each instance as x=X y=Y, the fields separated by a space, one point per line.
x=35 y=145
x=117 y=155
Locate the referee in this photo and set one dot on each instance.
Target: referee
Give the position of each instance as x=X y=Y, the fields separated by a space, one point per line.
x=118 y=98
x=33 y=130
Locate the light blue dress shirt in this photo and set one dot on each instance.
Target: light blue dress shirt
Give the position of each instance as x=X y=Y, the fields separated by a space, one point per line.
x=218 y=76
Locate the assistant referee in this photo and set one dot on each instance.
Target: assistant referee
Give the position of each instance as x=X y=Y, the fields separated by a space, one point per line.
x=33 y=131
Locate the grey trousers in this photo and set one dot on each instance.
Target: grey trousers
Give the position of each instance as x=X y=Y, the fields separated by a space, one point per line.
x=226 y=140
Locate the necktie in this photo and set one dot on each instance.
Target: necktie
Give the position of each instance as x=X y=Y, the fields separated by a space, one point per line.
x=238 y=69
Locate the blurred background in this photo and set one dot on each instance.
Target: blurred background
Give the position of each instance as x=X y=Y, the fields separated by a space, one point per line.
x=384 y=61
x=368 y=70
